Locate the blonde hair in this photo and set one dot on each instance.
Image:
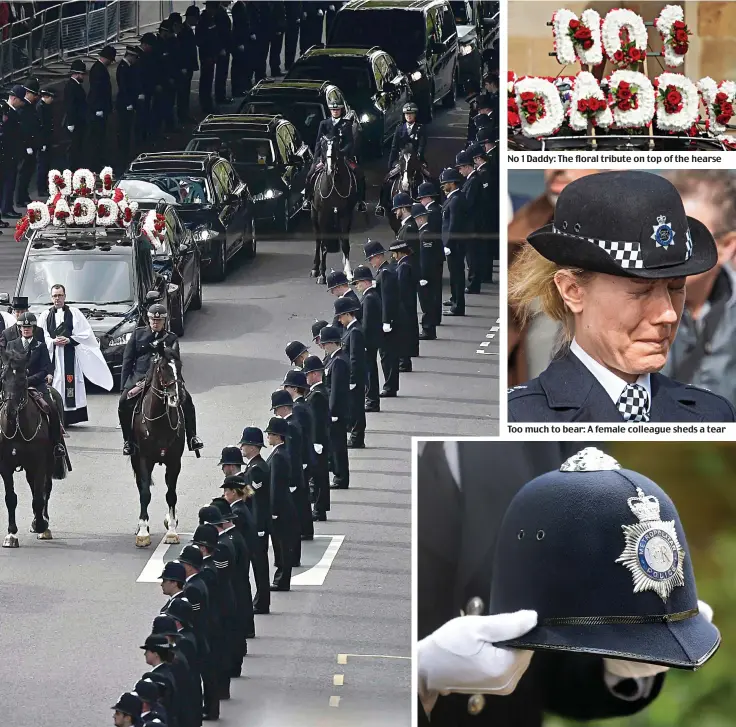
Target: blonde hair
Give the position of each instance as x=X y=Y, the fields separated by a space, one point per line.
x=532 y=289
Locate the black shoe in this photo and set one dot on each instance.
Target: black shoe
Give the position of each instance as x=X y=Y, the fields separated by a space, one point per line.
x=319 y=516
x=307 y=537
x=406 y=369
x=370 y=408
x=472 y=291
x=427 y=336
x=195 y=443
x=356 y=443
x=385 y=394
x=447 y=303
x=279 y=588
x=380 y=211
x=261 y=611
x=452 y=313
x=336 y=486
x=126 y=449
x=207 y=717
x=249 y=635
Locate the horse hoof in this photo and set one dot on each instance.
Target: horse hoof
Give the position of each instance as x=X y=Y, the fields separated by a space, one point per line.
x=142 y=541
x=171 y=539
x=11 y=541
x=46 y=535
x=321 y=280
x=313 y=273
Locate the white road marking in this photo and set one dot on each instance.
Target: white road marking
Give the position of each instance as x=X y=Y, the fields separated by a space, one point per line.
x=343 y=658
x=338 y=680
x=483 y=345
x=316 y=575
x=334 y=701
x=152 y=569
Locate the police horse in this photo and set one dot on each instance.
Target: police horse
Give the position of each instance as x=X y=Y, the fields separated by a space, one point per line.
x=335 y=197
x=158 y=437
x=410 y=175
x=26 y=444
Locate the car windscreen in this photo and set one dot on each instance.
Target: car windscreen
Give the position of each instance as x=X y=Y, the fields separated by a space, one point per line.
x=235 y=147
x=401 y=33
x=87 y=279
x=172 y=187
x=350 y=75
x=305 y=116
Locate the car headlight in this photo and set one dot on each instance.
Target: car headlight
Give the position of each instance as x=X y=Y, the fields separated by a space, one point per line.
x=466 y=50
x=416 y=76
x=268 y=194
x=121 y=339
x=204 y=233
x=366 y=118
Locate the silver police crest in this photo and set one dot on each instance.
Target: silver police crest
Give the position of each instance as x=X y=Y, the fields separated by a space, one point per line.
x=653 y=553
x=664 y=235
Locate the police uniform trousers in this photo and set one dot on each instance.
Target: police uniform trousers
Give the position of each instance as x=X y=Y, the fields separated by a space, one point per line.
x=143 y=110
x=477 y=252
x=304 y=508
x=357 y=413
x=293 y=20
x=311 y=32
x=183 y=95
x=206 y=79
x=75 y=154
x=168 y=99
x=43 y=165
x=210 y=667
x=339 y=453
x=430 y=298
x=390 y=361
x=10 y=167
x=25 y=173
x=126 y=120
x=284 y=537
x=372 y=383
x=320 y=490
x=259 y=561
x=241 y=72
x=222 y=66
x=96 y=132
x=456 y=266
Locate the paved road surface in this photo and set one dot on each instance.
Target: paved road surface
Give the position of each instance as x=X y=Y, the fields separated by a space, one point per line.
x=73 y=612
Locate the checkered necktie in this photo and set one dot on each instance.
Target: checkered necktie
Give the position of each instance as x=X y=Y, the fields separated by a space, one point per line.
x=633 y=404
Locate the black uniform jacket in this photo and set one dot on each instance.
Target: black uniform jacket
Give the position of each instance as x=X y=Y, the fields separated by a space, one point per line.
x=258 y=477
x=455 y=219
x=100 y=90
x=567 y=392
x=372 y=322
x=457 y=531
x=138 y=352
x=353 y=344
x=431 y=252
x=387 y=285
x=402 y=138
x=434 y=218
x=409 y=233
x=187 y=49
x=127 y=80
x=282 y=504
x=344 y=130
x=30 y=128
x=13 y=332
x=246 y=525
x=318 y=399
x=337 y=378
x=488 y=207
x=39 y=362
x=303 y=415
x=473 y=189
x=75 y=104
x=295 y=448
x=45 y=114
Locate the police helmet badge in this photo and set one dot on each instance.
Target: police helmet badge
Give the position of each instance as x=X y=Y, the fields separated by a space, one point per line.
x=663 y=235
x=653 y=553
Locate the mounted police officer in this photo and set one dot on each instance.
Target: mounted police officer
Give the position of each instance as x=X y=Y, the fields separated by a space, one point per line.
x=410 y=133
x=141 y=346
x=341 y=128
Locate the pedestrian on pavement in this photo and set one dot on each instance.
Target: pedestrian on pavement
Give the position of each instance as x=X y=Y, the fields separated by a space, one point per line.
x=99 y=104
x=12 y=151
x=257 y=477
x=45 y=111
x=318 y=400
x=30 y=129
x=339 y=286
x=187 y=55
x=353 y=345
x=408 y=290
x=231 y=461
x=296 y=352
x=337 y=382
x=151 y=708
x=455 y=216
x=285 y=531
x=75 y=114
x=472 y=190
x=372 y=325
x=291 y=34
x=128 y=89
x=127 y=710
x=431 y=267
x=387 y=285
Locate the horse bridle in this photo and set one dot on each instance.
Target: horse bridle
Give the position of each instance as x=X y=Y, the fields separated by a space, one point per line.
x=18 y=409
x=328 y=170
x=164 y=395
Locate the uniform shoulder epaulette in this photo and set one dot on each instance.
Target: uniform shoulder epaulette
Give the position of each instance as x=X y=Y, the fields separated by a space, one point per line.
x=708 y=393
x=522 y=390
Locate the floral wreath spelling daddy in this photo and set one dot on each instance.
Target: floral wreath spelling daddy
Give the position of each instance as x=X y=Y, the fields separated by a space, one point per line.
x=678 y=102
x=588 y=104
x=540 y=107
x=720 y=100
x=632 y=99
x=154 y=227
x=675 y=34
x=577 y=38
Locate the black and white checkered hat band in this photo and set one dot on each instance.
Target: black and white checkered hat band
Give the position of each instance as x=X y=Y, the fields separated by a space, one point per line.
x=626 y=254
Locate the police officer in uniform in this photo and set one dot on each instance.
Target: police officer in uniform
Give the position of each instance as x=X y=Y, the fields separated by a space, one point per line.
x=317 y=326
x=408 y=285
x=45 y=112
x=136 y=362
x=318 y=400
x=127 y=79
x=482 y=255
x=296 y=352
x=127 y=710
x=12 y=151
x=455 y=216
x=332 y=10
x=187 y=54
x=372 y=324
x=151 y=709
x=353 y=345
x=150 y=75
x=339 y=286
x=241 y=66
x=170 y=72
x=408 y=232
x=210 y=43
x=30 y=128
x=99 y=103
x=430 y=269
x=313 y=19
x=387 y=285
x=196 y=592
x=337 y=381
x=410 y=133
x=291 y=35
x=475 y=245
x=284 y=526
x=274 y=40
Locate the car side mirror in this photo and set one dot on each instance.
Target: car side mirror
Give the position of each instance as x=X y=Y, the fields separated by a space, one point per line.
x=4 y=299
x=152 y=296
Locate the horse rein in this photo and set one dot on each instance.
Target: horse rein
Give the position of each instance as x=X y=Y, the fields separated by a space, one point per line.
x=18 y=429
x=162 y=395
x=333 y=175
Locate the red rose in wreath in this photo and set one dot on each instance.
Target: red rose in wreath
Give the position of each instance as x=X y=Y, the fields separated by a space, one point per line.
x=527 y=96
x=531 y=107
x=128 y=214
x=574 y=24
x=583 y=105
x=674 y=97
x=624 y=94
x=678 y=24
x=102 y=211
x=20 y=228
x=59 y=181
x=77 y=209
x=681 y=36
x=635 y=54
x=107 y=181
x=721 y=97
x=61 y=215
x=618 y=56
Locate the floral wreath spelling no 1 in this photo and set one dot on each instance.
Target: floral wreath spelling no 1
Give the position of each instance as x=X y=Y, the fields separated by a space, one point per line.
x=79 y=199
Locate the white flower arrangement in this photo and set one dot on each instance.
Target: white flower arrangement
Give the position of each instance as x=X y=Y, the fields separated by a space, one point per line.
x=689 y=103
x=40 y=214
x=592 y=56
x=127 y=211
x=641 y=112
x=107 y=180
x=62 y=213
x=154 y=227
x=83 y=179
x=566 y=49
x=546 y=94
x=614 y=23
x=83 y=211
x=585 y=87
x=710 y=90
x=107 y=212
x=60 y=183
x=665 y=23
x=510 y=82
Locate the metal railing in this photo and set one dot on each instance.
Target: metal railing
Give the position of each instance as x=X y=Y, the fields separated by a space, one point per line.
x=51 y=37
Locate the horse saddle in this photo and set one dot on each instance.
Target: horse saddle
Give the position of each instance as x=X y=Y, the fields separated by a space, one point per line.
x=37 y=397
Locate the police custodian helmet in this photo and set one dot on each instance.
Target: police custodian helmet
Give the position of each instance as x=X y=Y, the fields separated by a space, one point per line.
x=599 y=552
x=410 y=108
x=157 y=311
x=27 y=319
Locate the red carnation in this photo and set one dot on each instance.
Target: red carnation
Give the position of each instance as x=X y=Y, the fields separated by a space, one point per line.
x=674 y=97
x=527 y=96
x=634 y=53
x=128 y=214
x=624 y=94
x=624 y=105
x=117 y=195
x=678 y=25
x=680 y=49
x=107 y=181
x=20 y=228
x=531 y=107
x=574 y=24
x=582 y=33
x=102 y=211
x=587 y=44
x=618 y=56
x=681 y=36
x=531 y=118
x=77 y=209
x=583 y=105
x=721 y=97
x=59 y=181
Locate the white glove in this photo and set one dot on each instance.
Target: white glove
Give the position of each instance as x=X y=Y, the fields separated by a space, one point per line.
x=274 y=517
x=241 y=47
x=331 y=8
x=71 y=128
x=320 y=13
x=352 y=386
x=29 y=150
x=423 y=283
x=447 y=251
x=460 y=656
x=260 y=535
x=129 y=108
x=141 y=96
x=318 y=448
x=387 y=328
x=305 y=15
x=253 y=35
x=304 y=466
x=99 y=114
x=292 y=489
x=43 y=148
x=334 y=419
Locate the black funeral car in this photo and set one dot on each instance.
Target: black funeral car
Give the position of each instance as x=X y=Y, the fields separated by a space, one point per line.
x=268 y=154
x=372 y=83
x=210 y=199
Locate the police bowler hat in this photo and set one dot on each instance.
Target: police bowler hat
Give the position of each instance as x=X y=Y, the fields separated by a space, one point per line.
x=297 y=379
x=234 y=482
x=418 y=210
x=426 y=189
x=451 y=175
x=313 y=363
x=281 y=398
x=224 y=507
x=600 y=554
x=362 y=272
x=402 y=199
x=18 y=91
x=164 y=626
x=147 y=690
x=253 y=436
x=372 y=248
x=626 y=223
x=174 y=571
x=231 y=455
x=294 y=349
x=181 y=610
x=400 y=247
x=129 y=704
x=191 y=555
x=77 y=66
x=487 y=134
x=206 y=535
x=346 y=305
x=336 y=278
x=157 y=643
x=331 y=334
x=211 y=515
x=108 y=52
x=317 y=326
x=277 y=425
x=463 y=159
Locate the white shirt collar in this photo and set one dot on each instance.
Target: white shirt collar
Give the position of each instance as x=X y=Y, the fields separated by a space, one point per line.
x=426 y=224
x=405 y=221
x=454 y=191
x=313 y=385
x=452 y=454
x=613 y=385
x=355 y=320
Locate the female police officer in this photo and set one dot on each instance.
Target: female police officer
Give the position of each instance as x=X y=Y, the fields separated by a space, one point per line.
x=611 y=268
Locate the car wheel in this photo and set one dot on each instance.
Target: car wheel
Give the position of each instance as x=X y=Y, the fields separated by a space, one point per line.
x=250 y=246
x=449 y=100
x=177 y=318
x=196 y=302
